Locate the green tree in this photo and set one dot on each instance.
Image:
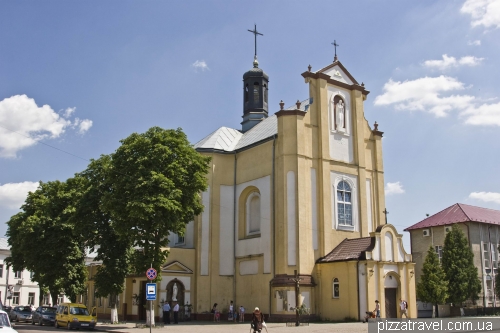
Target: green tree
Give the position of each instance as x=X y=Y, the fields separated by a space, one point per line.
x=95 y=225
x=458 y=265
x=43 y=240
x=156 y=179
x=433 y=286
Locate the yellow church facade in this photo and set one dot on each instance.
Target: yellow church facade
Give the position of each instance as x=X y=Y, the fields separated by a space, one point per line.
x=300 y=190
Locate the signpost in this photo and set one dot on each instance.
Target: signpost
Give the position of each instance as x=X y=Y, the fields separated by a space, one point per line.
x=151 y=293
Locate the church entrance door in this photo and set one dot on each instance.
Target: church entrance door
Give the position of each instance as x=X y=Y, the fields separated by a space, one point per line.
x=391 y=303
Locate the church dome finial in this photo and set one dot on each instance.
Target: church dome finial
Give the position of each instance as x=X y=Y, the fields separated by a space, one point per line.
x=255 y=62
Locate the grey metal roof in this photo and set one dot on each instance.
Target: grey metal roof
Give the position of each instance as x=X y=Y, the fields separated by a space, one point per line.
x=224 y=138
x=4 y=244
x=263 y=130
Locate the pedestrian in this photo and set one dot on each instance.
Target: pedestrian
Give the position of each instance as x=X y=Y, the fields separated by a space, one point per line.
x=215 y=311
x=403 y=306
x=377 y=309
x=257 y=320
x=176 y=313
x=231 y=316
x=242 y=314
x=166 y=313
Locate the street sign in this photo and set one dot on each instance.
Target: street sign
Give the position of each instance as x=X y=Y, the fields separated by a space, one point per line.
x=151 y=273
x=151 y=291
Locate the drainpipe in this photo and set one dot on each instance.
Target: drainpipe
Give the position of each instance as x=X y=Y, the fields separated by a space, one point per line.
x=273 y=219
x=6 y=286
x=357 y=284
x=234 y=230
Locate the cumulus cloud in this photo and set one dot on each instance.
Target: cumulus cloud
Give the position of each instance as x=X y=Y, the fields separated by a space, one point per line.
x=425 y=94
x=13 y=195
x=486 y=196
x=394 y=188
x=485 y=114
x=483 y=12
x=82 y=125
x=449 y=62
x=476 y=42
x=200 y=65
x=23 y=123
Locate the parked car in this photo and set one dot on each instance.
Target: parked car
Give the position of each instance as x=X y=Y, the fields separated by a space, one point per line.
x=5 y=325
x=44 y=315
x=75 y=315
x=7 y=309
x=20 y=313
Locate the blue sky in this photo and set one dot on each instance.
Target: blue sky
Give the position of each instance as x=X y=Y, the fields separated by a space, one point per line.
x=78 y=76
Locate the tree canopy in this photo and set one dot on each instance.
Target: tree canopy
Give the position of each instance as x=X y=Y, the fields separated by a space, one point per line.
x=458 y=265
x=433 y=286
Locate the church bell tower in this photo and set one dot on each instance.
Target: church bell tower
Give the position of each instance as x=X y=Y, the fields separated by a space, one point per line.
x=255 y=92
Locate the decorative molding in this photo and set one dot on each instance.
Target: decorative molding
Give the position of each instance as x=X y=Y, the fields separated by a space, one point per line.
x=171 y=268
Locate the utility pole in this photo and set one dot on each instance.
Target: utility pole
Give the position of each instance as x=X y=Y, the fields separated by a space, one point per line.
x=296 y=279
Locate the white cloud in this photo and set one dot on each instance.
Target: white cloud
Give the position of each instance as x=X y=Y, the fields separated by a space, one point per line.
x=486 y=196
x=13 y=195
x=485 y=114
x=23 y=123
x=202 y=65
x=424 y=94
x=394 y=188
x=68 y=112
x=83 y=125
x=476 y=42
x=448 y=62
x=483 y=12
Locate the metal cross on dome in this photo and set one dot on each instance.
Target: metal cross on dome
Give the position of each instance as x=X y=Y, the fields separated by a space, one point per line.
x=335 y=46
x=255 y=32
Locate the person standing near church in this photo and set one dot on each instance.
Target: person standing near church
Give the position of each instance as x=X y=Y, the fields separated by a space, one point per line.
x=377 y=309
x=166 y=313
x=176 y=313
x=231 y=316
x=403 y=306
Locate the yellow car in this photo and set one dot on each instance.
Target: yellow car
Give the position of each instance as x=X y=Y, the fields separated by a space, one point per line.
x=74 y=315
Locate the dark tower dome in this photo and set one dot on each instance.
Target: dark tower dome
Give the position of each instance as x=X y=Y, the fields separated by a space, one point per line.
x=255 y=91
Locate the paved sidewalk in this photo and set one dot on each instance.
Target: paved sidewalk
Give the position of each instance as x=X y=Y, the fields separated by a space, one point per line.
x=210 y=327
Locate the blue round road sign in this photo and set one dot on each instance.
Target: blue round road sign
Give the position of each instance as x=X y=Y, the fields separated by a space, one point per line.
x=151 y=273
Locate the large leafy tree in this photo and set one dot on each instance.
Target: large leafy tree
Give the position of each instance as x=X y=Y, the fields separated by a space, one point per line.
x=43 y=240
x=458 y=265
x=91 y=221
x=155 y=181
x=433 y=286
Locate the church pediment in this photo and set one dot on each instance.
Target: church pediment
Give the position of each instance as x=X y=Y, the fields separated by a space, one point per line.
x=336 y=71
x=176 y=267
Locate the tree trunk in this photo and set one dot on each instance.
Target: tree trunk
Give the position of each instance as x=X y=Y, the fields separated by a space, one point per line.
x=114 y=315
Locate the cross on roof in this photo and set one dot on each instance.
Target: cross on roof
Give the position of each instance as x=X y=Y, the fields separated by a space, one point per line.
x=335 y=46
x=255 y=32
x=385 y=212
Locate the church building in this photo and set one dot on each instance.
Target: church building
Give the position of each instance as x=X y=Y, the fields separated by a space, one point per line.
x=297 y=193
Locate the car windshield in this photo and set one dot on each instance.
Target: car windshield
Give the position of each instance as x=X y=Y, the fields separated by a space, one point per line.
x=79 y=311
x=23 y=309
x=4 y=320
x=49 y=310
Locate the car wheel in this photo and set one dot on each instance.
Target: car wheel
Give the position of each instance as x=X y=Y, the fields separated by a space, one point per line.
x=55 y=324
x=32 y=321
x=68 y=326
x=17 y=318
x=40 y=323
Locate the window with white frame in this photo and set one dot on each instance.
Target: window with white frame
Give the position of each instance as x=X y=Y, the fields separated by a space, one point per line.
x=60 y=299
x=486 y=256
x=18 y=275
x=336 y=288
x=31 y=298
x=253 y=214
x=1 y=271
x=180 y=240
x=15 y=298
x=344 y=204
x=489 y=286
x=439 y=252
x=46 y=299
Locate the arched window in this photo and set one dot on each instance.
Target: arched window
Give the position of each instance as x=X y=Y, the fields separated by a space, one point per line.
x=265 y=93
x=344 y=204
x=336 y=288
x=253 y=214
x=256 y=96
x=246 y=93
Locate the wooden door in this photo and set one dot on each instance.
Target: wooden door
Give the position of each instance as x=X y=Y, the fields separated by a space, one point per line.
x=391 y=305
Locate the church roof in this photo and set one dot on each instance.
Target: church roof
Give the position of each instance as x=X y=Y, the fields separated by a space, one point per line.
x=349 y=249
x=458 y=213
x=229 y=139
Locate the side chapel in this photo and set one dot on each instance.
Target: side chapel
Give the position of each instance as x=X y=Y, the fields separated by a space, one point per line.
x=301 y=189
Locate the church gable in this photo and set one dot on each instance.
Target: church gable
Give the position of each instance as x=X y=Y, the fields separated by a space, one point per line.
x=338 y=72
x=176 y=267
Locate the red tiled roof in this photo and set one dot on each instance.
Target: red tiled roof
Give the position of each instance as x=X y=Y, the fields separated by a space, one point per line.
x=459 y=213
x=349 y=249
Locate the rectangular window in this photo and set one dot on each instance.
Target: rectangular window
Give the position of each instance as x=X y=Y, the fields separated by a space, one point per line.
x=18 y=275
x=1 y=271
x=15 y=298
x=46 y=299
x=60 y=299
x=486 y=256
x=31 y=275
x=439 y=251
x=180 y=240
x=31 y=298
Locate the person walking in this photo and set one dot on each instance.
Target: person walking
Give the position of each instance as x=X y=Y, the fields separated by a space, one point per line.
x=231 y=315
x=166 y=313
x=242 y=314
x=377 y=309
x=403 y=306
x=176 y=313
x=257 y=320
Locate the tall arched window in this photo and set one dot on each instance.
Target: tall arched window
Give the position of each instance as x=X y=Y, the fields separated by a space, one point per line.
x=336 y=288
x=344 y=204
x=253 y=214
x=265 y=93
x=246 y=93
x=256 y=96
